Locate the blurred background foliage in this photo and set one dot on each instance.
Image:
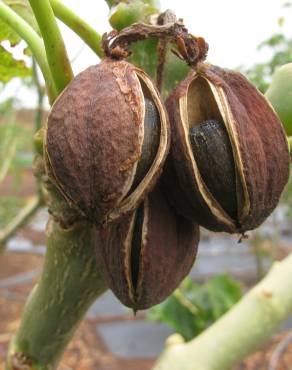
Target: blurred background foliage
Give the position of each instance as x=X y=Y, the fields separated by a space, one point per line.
x=193 y=308
x=281 y=53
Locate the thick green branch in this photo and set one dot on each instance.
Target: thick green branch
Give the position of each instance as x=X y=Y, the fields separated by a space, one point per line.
x=21 y=219
x=240 y=331
x=56 y=52
x=34 y=42
x=87 y=33
x=70 y=282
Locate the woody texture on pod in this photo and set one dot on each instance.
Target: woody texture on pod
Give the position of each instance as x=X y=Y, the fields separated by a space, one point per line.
x=107 y=143
x=229 y=158
x=107 y=139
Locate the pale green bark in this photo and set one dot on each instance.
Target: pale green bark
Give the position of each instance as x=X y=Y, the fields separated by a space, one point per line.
x=70 y=282
x=240 y=331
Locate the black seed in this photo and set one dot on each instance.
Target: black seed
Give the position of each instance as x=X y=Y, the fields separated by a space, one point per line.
x=137 y=245
x=213 y=155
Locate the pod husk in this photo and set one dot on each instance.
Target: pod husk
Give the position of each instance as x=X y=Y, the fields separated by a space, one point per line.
x=258 y=141
x=168 y=250
x=94 y=139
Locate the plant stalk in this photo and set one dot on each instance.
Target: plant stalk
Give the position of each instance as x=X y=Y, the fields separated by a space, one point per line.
x=27 y=33
x=71 y=280
x=87 y=33
x=240 y=331
x=21 y=219
x=55 y=48
x=41 y=95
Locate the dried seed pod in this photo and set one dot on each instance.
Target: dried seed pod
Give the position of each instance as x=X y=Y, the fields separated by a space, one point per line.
x=230 y=177
x=107 y=139
x=148 y=252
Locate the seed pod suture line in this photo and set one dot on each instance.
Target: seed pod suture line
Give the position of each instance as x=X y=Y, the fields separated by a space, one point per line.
x=107 y=139
x=254 y=172
x=148 y=253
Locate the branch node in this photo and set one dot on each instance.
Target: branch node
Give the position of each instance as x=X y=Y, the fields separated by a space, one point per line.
x=21 y=362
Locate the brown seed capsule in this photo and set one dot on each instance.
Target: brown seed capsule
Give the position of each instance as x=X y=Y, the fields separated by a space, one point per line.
x=148 y=252
x=107 y=139
x=229 y=174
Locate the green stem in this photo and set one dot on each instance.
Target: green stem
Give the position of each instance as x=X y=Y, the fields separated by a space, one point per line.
x=256 y=243
x=87 y=33
x=40 y=93
x=56 y=52
x=21 y=219
x=26 y=32
x=70 y=282
x=240 y=331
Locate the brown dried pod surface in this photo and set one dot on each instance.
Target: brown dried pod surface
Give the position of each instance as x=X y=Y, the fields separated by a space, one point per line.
x=253 y=166
x=148 y=252
x=107 y=139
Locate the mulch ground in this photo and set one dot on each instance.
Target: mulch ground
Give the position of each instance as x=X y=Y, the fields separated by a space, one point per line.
x=272 y=356
x=87 y=350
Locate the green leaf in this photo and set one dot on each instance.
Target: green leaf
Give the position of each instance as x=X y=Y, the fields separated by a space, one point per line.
x=6 y=33
x=9 y=208
x=223 y=292
x=274 y=40
x=281 y=48
x=126 y=13
x=192 y=308
x=23 y=9
x=9 y=67
x=175 y=315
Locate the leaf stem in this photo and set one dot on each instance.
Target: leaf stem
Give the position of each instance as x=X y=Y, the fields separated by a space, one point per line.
x=87 y=33
x=26 y=32
x=41 y=94
x=55 y=48
x=168 y=17
x=22 y=217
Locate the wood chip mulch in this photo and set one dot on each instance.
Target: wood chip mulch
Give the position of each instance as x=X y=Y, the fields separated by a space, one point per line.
x=87 y=350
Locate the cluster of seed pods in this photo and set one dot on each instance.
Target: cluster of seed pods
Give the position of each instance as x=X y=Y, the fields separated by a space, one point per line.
x=148 y=173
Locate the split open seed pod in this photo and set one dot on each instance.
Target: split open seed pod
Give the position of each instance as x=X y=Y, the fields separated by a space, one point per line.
x=230 y=159
x=107 y=139
x=148 y=253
